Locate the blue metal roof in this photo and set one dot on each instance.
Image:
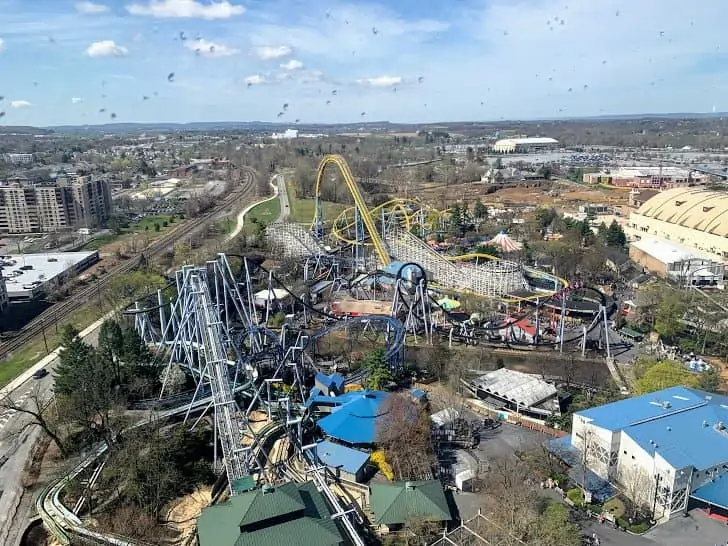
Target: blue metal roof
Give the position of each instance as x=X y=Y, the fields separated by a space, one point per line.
x=354 y=422
x=338 y=456
x=714 y=492
x=678 y=423
x=419 y=394
x=335 y=379
x=621 y=414
x=688 y=438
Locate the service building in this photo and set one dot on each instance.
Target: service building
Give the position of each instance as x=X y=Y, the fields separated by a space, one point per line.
x=676 y=262
x=668 y=450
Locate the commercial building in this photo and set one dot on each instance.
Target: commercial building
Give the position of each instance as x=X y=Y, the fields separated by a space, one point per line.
x=667 y=450
x=27 y=276
x=524 y=145
x=3 y=294
x=65 y=203
x=18 y=158
x=647 y=177
x=676 y=262
x=692 y=217
x=287 y=514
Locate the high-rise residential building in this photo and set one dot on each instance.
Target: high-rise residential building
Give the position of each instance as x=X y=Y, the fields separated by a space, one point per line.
x=3 y=294
x=68 y=202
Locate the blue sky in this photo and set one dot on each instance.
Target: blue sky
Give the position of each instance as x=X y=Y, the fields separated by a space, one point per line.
x=63 y=61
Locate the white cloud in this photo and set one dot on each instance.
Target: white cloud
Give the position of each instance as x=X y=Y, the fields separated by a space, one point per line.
x=187 y=9
x=20 y=104
x=76 y=100
x=106 y=48
x=91 y=8
x=255 y=79
x=267 y=53
x=381 y=81
x=293 y=64
x=210 y=49
x=2 y=45
x=311 y=76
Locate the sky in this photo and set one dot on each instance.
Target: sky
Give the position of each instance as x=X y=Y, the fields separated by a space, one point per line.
x=329 y=61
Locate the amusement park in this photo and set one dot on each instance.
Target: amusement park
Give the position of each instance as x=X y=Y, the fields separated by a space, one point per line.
x=304 y=372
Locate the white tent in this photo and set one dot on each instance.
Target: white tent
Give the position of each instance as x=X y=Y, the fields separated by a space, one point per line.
x=505 y=243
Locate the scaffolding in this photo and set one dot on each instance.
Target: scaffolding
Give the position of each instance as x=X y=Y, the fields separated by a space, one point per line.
x=492 y=278
x=292 y=241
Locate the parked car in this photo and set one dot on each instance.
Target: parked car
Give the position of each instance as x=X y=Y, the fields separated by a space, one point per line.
x=40 y=374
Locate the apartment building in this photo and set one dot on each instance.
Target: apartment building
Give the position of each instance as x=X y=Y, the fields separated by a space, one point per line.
x=65 y=203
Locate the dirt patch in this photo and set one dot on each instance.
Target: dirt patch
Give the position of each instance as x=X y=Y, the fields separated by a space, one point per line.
x=257 y=420
x=183 y=514
x=32 y=470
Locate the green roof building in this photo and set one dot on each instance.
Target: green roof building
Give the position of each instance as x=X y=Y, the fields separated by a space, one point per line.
x=397 y=503
x=289 y=515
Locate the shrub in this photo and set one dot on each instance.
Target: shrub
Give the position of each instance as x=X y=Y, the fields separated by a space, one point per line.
x=576 y=496
x=379 y=460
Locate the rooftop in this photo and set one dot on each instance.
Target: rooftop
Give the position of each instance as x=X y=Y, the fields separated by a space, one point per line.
x=338 y=456
x=626 y=172
x=400 y=502
x=517 y=387
x=668 y=252
x=354 y=420
x=692 y=208
x=288 y=515
x=527 y=140
x=26 y=272
x=714 y=492
x=680 y=424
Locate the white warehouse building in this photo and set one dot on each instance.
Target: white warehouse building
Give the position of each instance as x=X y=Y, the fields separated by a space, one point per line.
x=667 y=450
x=524 y=145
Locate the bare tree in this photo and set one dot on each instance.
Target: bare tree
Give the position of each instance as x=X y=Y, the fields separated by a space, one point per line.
x=404 y=433
x=39 y=407
x=639 y=487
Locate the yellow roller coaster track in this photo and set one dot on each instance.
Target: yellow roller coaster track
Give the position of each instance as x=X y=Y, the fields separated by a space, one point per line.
x=361 y=205
x=343 y=223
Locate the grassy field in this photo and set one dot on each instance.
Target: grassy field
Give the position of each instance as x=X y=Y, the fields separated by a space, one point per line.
x=265 y=213
x=144 y=225
x=302 y=210
x=35 y=350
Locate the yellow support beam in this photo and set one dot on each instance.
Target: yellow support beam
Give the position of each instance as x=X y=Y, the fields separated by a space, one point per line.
x=353 y=187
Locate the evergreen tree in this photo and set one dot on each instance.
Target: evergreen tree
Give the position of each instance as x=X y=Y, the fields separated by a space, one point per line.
x=615 y=236
x=379 y=374
x=480 y=210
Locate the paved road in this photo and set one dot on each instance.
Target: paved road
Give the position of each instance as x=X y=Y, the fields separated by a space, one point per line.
x=283 y=196
x=16 y=442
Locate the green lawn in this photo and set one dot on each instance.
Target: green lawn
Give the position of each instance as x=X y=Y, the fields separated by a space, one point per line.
x=265 y=213
x=302 y=210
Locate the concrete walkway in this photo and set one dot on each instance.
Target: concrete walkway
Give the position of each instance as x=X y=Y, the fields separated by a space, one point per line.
x=240 y=220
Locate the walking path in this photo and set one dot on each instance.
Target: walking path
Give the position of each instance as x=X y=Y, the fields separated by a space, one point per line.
x=240 y=220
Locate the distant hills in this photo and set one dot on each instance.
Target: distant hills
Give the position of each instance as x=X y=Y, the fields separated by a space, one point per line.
x=24 y=130
x=130 y=128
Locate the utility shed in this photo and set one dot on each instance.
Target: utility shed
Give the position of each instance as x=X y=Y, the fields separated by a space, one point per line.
x=290 y=514
x=347 y=463
x=394 y=504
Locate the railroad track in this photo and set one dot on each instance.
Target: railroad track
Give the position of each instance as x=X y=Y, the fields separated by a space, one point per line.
x=80 y=298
